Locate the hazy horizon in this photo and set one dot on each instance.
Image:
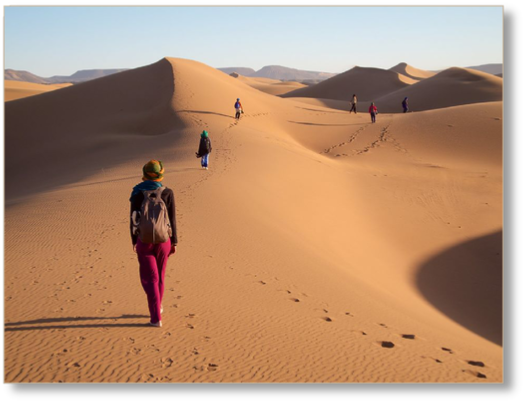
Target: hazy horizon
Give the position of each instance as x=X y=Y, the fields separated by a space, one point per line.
x=229 y=67
x=324 y=39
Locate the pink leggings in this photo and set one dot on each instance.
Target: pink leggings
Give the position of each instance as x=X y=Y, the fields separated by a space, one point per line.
x=152 y=260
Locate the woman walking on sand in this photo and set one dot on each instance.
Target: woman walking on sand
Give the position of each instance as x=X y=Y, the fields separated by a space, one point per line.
x=153 y=233
x=354 y=104
x=204 y=149
x=373 y=112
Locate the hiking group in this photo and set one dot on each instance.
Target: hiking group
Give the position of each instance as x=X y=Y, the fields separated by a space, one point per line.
x=153 y=228
x=152 y=219
x=372 y=110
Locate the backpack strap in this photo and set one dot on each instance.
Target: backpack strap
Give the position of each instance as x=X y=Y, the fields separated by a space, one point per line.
x=157 y=191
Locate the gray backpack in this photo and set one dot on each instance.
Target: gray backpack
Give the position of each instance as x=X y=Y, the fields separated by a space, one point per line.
x=153 y=225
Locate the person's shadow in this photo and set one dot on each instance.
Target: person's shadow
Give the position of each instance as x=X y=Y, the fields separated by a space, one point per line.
x=21 y=326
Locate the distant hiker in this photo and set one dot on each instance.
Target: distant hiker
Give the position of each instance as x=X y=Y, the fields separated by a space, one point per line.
x=153 y=233
x=204 y=149
x=373 y=112
x=405 y=105
x=238 y=109
x=354 y=104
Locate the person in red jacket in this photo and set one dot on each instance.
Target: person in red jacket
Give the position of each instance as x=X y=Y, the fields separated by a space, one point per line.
x=373 y=112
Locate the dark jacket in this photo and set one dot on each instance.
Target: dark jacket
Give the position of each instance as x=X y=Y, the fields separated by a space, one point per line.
x=169 y=199
x=204 y=147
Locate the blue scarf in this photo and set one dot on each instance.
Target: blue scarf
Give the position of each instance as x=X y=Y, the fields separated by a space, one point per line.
x=146 y=185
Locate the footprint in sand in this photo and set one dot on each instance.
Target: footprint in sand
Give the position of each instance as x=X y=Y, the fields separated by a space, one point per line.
x=190 y=326
x=212 y=367
x=474 y=373
x=475 y=363
x=433 y=359
x=295 y=300
x=386 y=344
x=408 y=336
x=262 y=282
x=448 y=350
x=167 y=362
x=327 y=319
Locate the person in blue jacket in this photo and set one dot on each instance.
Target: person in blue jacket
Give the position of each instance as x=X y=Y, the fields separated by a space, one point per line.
x=238 y=109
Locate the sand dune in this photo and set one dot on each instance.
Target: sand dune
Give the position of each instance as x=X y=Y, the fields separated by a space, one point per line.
x=328 y=103
x=91 y=121
x=20 y=89
x=367 y=83
x=454 y=86
x=412 y=72
x=308 y=252
x=270 y=86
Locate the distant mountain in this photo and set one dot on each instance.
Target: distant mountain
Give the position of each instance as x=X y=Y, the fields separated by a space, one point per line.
x=84 y=75
x=20 y=75
x=78 y=77
x=280 y=73
x=243 y=71
x=289 y=74
x=493 y=68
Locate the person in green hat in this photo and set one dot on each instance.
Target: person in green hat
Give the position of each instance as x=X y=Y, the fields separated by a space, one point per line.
x=204 y=149
x=153 y=233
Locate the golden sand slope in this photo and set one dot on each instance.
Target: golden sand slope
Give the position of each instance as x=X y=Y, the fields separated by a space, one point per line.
x=367 y=83
x=454 y=86
x=270 y=86
x=317 y=248
x=412 y=72
x=20 y=89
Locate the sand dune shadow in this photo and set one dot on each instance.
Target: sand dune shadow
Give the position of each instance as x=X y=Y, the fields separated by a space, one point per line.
x=465 y=282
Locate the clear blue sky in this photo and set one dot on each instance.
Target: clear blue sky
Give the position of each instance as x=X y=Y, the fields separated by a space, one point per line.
x=61 y=40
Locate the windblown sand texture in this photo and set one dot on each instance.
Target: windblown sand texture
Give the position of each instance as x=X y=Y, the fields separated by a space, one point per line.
x=318 y=247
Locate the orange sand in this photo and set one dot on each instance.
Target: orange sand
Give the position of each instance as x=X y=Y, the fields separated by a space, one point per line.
x=21 y=89
x=318 y=247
